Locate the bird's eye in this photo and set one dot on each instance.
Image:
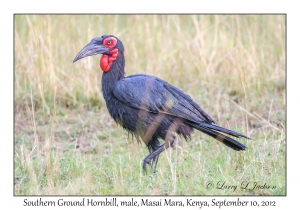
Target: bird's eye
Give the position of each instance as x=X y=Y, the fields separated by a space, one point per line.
x=110 y=42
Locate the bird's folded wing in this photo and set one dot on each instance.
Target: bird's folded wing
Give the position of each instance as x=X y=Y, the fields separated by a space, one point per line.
x=155 y=95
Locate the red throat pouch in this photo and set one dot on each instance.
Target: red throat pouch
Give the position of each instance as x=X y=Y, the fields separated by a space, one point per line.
x=106 y=61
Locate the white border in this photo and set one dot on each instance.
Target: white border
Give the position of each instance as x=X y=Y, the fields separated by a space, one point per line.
x=8 y=8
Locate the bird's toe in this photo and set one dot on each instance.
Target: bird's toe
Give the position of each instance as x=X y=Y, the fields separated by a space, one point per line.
x=146 y=161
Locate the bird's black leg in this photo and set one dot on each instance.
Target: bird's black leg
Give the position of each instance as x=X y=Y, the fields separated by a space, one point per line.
x=152 y=155
x=155 y=154
x=152 y=146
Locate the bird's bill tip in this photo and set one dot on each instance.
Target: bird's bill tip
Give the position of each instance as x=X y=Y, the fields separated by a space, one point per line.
x=75 y=59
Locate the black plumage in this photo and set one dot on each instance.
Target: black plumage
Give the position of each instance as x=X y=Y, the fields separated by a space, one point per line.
x=149 y=107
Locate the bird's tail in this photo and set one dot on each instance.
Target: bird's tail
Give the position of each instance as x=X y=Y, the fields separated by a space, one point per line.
x=211 y=130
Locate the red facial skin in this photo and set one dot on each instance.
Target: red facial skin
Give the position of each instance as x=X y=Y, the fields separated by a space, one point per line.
x=105 y=60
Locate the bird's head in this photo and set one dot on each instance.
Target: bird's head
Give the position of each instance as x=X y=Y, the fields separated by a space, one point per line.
x=108 y=45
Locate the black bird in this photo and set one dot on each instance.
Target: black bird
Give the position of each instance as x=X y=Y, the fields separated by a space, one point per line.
x=148 y=107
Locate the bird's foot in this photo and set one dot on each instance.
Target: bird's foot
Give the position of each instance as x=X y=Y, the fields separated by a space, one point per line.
x=147 y=161
x=145 y=165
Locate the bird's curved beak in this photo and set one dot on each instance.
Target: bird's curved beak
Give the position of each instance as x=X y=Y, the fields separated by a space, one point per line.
x=92 y=48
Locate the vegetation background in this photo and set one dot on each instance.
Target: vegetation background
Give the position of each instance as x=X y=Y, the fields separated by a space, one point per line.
x=67 y=144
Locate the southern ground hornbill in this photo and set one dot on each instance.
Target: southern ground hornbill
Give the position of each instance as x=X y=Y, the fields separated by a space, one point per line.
x=149 y=107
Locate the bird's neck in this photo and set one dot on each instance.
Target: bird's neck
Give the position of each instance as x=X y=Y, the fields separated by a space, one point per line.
x=111 y=77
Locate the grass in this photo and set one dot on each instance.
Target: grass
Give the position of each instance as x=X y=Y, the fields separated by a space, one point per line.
x=67 y=144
